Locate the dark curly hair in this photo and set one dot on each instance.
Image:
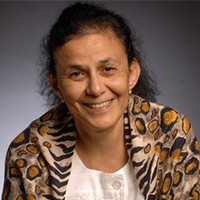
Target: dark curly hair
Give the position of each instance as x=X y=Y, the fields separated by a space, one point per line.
x=80 y=19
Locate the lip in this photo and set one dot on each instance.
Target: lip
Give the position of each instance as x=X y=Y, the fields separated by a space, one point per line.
x=99 y=107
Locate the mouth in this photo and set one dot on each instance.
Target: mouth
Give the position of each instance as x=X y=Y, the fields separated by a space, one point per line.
x=99 y=105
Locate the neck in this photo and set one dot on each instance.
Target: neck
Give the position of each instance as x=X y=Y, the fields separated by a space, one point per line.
x=95 y=148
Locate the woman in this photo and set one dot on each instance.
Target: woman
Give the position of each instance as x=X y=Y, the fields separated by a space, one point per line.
x=104 y=138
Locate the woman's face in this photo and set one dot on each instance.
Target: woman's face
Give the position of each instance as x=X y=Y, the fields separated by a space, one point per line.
x=94 y=79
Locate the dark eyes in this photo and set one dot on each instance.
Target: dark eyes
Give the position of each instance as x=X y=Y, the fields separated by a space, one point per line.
x=77 y=73
x=80 y=75
x=110 y=70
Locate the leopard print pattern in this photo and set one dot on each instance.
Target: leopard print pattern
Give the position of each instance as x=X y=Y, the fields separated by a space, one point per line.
x=160 y=142
x=164 y=151
x=38 y=160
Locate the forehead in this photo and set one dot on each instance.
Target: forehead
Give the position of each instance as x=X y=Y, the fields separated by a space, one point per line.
x=91 y=46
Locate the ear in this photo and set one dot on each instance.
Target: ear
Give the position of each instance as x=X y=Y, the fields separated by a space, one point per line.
x=134 y=73
x=54 y=85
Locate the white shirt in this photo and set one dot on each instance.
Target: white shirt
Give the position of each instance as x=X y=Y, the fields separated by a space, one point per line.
x=89 y=184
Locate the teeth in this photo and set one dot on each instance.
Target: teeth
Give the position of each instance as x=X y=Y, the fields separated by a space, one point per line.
x=99 y=105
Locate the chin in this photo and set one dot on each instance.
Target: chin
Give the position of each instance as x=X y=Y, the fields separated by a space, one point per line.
x=105 y=124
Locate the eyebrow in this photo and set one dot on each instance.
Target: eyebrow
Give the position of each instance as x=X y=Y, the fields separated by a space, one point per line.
x=82 y=67
x=74 y=67
x=107 y=60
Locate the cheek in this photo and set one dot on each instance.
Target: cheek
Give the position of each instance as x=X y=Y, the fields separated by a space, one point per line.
x=71 y=92
x=120 y=85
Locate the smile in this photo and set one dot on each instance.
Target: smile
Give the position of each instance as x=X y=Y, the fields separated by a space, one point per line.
x=99 y=105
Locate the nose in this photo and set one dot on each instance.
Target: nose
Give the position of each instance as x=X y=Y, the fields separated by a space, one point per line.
x=95 y=86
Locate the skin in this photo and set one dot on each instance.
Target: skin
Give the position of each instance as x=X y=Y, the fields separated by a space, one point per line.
x=94 y=79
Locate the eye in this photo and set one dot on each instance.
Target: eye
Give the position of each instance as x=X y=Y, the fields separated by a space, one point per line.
x=109 y=70
x=77 y=75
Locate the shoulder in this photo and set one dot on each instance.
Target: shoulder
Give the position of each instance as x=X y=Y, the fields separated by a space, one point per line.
x=155 y=116
x=42 y=133
x=165 y=138
x=45 y=147
x=163 y=127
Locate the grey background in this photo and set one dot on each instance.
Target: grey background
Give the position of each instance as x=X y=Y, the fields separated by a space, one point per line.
x=170 y=32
